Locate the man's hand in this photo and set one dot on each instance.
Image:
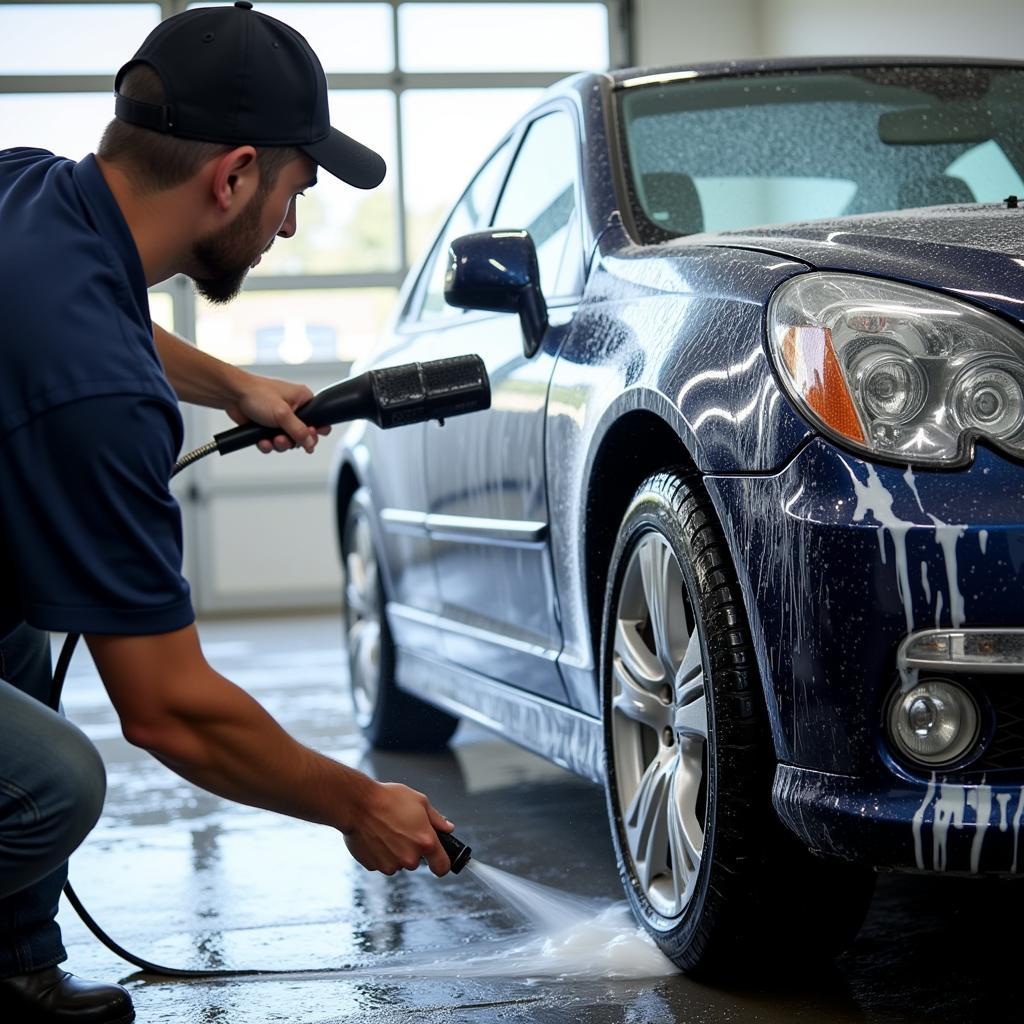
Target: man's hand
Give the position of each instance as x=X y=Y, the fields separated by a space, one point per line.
x=272 y=403
x=396 y=829
x=247 y=397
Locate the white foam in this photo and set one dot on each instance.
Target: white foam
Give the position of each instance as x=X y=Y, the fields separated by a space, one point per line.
x=912 y=484
x=873 y=497
x=947 y=536
x=576 y=937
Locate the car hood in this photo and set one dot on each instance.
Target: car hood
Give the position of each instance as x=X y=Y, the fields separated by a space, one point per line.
x=976 y=251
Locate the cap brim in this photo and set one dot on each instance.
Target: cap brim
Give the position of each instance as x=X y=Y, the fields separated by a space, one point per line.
x=349 y=160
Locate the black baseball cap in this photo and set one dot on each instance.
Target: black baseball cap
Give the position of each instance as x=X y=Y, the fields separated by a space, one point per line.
x=236 y=76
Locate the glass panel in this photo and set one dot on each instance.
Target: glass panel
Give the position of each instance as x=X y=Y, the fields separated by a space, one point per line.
x=473 y=213
x=833 y=143
x=735 y=202
x=321 y=325
x=446 y=135
x=161 y=310
x=987 y=171
x=68 y=124
x=541 y=197
x=346 y=37
x=503 y=37
x=84 y=39
x=341 y=228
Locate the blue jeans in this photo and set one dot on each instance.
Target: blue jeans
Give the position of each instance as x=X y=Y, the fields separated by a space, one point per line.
x=52 y=785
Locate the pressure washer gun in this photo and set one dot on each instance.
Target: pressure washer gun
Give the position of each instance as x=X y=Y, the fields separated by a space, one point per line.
x=391 y=397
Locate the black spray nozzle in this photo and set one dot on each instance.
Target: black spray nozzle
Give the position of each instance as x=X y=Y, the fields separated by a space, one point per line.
x=391 y=397
x=458 y=852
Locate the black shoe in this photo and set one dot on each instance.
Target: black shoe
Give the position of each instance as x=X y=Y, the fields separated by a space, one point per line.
x=53 y=995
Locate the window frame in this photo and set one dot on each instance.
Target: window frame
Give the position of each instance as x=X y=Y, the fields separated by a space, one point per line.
x=411 y=316
x=409 y=321
x=396 y=81
x=523 y=131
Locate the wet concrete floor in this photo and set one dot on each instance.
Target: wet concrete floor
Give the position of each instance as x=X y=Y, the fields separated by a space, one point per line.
x=185 y=879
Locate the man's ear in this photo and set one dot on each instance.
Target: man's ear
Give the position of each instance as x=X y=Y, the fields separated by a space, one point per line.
x=236 y=177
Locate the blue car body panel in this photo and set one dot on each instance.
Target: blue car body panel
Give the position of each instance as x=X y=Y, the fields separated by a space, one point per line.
x=675 y=332
x=972 y=252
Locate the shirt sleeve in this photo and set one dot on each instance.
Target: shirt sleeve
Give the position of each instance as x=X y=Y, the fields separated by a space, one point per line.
x=92 y=527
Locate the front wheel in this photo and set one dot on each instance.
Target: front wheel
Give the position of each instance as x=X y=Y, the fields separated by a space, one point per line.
x=389 y=718
x=706 y=865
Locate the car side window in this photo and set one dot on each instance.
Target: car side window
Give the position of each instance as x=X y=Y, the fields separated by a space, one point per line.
x=540 y=197
x=470 y=214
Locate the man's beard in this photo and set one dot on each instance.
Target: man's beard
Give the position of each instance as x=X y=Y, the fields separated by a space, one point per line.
x=226 y=256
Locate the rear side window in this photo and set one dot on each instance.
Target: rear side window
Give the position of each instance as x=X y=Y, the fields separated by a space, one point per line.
x=540 y=197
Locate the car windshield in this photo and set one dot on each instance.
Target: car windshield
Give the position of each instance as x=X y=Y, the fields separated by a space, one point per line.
x=729 y=153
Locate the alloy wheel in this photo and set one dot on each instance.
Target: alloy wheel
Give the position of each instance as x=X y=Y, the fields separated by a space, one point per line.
x=363 y=618
x=659 y=729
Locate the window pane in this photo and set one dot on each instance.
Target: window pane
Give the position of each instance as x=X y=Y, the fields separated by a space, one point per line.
x=987 y=172
x=733 y=203
x=447 y=134
x=341 y=228
x=499 y=37
x=161 y=310
x=472 y=214
x=83 y=39
x=540 y=197
x=346 y=37
x=68 y=124
x=729 y=153
x=324 y=326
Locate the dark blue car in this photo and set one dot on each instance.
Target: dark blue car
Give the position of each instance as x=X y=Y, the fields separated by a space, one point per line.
x=742 y=535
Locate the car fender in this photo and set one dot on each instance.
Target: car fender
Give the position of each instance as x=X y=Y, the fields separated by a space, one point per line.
x=353 y=457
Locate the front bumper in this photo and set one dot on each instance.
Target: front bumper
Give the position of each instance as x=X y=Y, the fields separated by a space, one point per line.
x=932 y=826
x=840 y=561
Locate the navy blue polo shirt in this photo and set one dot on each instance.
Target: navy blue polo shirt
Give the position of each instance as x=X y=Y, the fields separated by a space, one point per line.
x=90 y=535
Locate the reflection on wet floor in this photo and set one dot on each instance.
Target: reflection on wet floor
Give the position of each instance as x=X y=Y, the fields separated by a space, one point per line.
x=188 y=880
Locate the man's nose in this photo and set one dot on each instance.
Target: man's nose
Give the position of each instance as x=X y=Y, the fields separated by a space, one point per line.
x=288 y=225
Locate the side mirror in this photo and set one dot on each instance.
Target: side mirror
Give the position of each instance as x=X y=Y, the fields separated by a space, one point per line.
x=497 y=271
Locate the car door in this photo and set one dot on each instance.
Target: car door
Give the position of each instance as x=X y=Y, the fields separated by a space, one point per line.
x=397 y=456
x=487 y=494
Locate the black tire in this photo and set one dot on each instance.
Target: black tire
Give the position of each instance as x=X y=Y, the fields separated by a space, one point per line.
x=389 y=718
x=754 y=896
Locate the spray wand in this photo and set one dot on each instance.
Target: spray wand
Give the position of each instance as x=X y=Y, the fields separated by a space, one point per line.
x=458 y=852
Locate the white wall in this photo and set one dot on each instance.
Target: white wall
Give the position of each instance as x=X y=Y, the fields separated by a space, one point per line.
x=690 y=31
x=949 y=28
x=682 y=31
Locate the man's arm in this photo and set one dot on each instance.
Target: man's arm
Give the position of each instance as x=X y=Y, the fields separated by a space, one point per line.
x=173 y=704
x=201 y=379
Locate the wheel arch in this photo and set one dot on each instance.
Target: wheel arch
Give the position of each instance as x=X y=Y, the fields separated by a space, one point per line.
x=346 y=485
x=636 y=445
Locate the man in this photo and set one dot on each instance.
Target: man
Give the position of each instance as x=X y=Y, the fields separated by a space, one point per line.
x=221 y=122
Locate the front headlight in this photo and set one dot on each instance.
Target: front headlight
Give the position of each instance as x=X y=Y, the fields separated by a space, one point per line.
x=897 y=371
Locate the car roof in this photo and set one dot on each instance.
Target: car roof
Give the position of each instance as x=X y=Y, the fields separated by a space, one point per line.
x=626 y=77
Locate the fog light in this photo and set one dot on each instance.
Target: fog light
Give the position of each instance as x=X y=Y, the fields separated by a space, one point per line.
x=935 y=723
